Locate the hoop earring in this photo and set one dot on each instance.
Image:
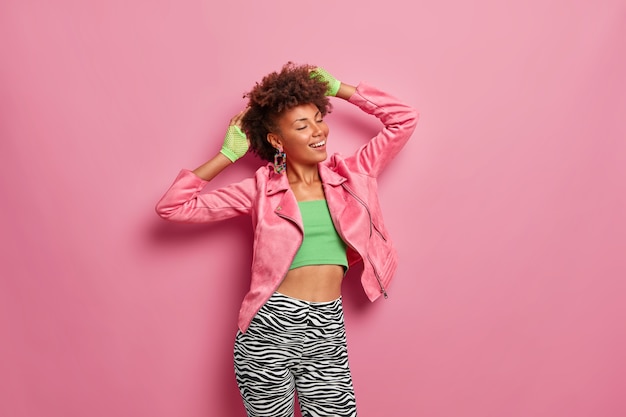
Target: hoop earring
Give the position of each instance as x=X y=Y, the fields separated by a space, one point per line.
x=280 y=161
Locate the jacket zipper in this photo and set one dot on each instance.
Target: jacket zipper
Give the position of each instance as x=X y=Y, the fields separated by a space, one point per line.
x=372 y=227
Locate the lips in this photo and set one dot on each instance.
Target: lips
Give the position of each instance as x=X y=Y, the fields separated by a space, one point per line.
x=318 y=144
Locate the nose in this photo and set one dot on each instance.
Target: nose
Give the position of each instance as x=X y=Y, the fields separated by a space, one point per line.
x=317 y=129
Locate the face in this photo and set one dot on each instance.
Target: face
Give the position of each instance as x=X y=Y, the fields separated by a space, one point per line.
x=301 y=134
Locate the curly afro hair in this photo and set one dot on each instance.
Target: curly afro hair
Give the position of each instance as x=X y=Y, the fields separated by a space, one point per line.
x=277 y=93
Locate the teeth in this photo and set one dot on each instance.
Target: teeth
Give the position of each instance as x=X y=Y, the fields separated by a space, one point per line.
x=318 y=144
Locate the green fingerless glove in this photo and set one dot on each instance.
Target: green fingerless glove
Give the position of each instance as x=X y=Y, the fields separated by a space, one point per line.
x=235 y=143
x=322 y=75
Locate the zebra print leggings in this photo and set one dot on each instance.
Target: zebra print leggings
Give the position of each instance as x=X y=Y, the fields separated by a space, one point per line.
x=295 y=346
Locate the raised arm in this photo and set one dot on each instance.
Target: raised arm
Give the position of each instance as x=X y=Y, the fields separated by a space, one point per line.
x=399 y=121
x=184 y=201
x=234 y=147
x=346 y=91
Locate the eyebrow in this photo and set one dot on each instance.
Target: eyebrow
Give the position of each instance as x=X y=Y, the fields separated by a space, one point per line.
x=303 y=119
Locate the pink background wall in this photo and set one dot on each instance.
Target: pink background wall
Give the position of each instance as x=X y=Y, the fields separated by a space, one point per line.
x=507 y=207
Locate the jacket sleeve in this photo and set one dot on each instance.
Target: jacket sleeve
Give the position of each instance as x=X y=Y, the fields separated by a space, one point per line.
x=399 y=122
x=185 y=202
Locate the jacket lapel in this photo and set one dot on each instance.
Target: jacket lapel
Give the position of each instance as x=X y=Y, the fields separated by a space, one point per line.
x=287 y=206
x=329 y=177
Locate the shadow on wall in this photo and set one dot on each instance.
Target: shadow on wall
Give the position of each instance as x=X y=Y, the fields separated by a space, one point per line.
x=215 y=317
x=165 y=233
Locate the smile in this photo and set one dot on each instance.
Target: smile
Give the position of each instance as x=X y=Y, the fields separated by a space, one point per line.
x=318 y=144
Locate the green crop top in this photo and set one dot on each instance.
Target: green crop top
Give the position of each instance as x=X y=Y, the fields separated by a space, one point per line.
x=321 y=245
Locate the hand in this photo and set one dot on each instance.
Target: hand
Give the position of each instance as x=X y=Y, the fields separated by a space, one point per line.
x=236 y=143
x=322 y=75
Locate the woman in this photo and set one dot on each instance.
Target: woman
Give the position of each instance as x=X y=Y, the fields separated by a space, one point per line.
x=313 y=217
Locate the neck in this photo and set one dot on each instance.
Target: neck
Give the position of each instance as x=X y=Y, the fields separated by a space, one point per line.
x=305 y=174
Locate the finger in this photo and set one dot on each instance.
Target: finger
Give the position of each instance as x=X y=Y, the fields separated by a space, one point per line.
x=237 y=118
x=241 y=115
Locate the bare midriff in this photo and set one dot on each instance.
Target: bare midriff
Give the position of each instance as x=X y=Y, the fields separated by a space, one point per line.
x=316 y=283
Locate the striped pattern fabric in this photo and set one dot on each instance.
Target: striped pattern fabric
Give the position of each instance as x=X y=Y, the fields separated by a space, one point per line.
x=295 y=346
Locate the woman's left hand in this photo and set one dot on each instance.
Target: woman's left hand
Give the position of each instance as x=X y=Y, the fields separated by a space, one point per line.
x=324 y=76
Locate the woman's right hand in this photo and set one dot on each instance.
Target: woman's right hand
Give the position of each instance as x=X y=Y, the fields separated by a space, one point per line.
x=236 y=144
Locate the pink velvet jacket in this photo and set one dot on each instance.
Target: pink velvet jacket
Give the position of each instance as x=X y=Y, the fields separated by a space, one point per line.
x=350 y=188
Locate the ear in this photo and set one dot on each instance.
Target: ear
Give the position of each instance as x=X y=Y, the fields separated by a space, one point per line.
x=274 y=140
